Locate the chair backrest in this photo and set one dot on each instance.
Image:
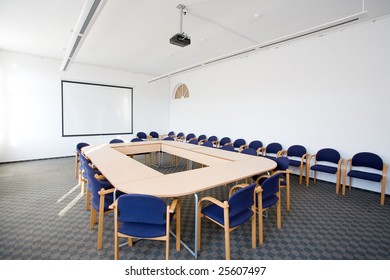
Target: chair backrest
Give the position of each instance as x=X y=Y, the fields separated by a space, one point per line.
x=239 y=142
x=296 y=151
x=207 y=144
x=81 y=145
x=141 y=208
x=190 y=136
x=328 y=154
x=228 y=148
x=270 y=186
x=113 y=141
x=202 y=137
x=141 y=135
x=180 y=134
x=154 y=134
x=171 y=134
x=213 y=138
x=273 y=148
x=249 y=151
x=256 y=144
x=169 y=138
x=83 y=161
x=282 y=163
x=224 y=141
x=136 y=140
x=241 y=200
x=367 y=159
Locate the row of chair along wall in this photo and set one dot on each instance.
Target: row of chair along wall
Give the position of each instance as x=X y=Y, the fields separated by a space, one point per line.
x=363 y=165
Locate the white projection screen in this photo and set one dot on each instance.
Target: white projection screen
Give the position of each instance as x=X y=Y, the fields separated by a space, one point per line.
x=96 y=109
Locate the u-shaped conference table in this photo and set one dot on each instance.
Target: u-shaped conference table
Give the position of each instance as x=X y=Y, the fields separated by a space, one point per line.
x=131 y=176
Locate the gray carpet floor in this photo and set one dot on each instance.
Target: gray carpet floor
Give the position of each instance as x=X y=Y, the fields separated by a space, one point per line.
x=320 y=226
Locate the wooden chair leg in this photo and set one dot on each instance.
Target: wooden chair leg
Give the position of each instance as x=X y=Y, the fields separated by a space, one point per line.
x=300 y=174
x=383 y=191
x=92 y=219
x=337 y=181
x=288 y=191
x=100 y=225
x=87 y=200
x=307 y=175
x=279 y=212
x=260 y=218
x=254 y=227
x=178 y=225
x=116 y=241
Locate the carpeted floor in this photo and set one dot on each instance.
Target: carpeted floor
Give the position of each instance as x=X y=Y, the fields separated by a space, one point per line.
x=43 y=217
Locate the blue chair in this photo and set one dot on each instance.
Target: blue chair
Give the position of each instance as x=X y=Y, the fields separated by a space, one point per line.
x=207 y=144
x=190 y=137
x=193 y=141
x=78 y=169
x=180 y=136
x=366 y=166
x=298 y=157
x=273 y=150
x=257 y=145
x=168 y=138
x=114 y=141
x=153 y=135
x=237 y=210
x=136 y=140
x=326 y=160
x=239 y=144
x=142 y=135
x=102 y=196
x=202 y=137
x=268 y=195
x=145 y=217
x=172 y=134
x=225 y=141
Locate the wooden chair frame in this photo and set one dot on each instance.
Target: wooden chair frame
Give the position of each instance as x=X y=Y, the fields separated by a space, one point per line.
x=304 y=159
x=226 y=225
x=383 y=181
x=174 y=208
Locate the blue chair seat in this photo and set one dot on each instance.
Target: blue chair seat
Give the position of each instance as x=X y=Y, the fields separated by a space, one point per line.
x=216 y=213
x=324 y=168
x=270 y=157
x=142 y=230
x=270 y=201
x=296 y=163
x=365 y=175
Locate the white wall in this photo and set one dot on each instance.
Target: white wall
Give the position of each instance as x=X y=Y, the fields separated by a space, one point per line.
x=329 y=91
x=30 y=104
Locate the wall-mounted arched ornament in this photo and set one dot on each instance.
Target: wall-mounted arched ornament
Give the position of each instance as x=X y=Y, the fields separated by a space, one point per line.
x=181 y=91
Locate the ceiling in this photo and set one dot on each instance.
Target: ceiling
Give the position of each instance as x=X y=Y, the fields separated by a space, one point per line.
x=133 y=35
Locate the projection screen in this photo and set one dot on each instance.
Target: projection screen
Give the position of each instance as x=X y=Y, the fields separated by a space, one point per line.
x=95 y=109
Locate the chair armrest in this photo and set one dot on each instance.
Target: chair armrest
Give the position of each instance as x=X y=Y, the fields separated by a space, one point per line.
x=242 y=147
x=113 y=205
x=261 y=151
x=175 y=203
x=310 y=158
x=261 y=177
x=104 y=191
x=214 y=200
x=281 y=153
x=304 y=157
x=99 y=177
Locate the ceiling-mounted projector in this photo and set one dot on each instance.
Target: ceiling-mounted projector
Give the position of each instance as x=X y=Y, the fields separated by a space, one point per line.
x=181 y=39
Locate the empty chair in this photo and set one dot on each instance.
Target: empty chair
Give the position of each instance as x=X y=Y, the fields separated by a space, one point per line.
x=202 y=137
x=268 y=196
x=225 y=141
x=193 y=141
x=190 y=137
x=101 y=199
x=257 y=145
x=213 y=139
x=239 y=144
x=228 y=148
x=180 y=136
x=78 y=168
x=171 y=134
x=136 y=140
x=142 y=135
x=326 y=160
x=298 y=156
x=272 y=150
x=366 y=166
x=207 y=144
x=145 y=217
x=114 y=141
x=168 y=138
x=153 y=135
x=230 y=214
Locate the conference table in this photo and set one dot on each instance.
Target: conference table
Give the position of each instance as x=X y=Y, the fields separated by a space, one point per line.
x=127 y=175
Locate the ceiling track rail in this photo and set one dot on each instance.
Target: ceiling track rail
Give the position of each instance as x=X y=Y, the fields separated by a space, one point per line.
x=292 y=37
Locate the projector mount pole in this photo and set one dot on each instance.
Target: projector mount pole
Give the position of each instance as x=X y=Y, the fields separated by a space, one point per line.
x=183 y=11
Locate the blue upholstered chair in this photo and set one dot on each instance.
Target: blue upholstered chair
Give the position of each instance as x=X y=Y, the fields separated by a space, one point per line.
x=228 y=148
x=114 y=141
x=366 y=166
x=298 y=157
x=168 y=138
x=102 y=196
x=193 y=141
x=272 y=150
x=78 y=168
x=145 y=217
x=213 y=139
x=326 y=160
x=142 y=135
x=153 y=135
x=230 y=214
x=268 y=195
x=171 y=134
x=136 y=139
x=257 y=145
x=202 y=137
x=190 y=137
x=239 y=144
x=225 y=141
x=207 y=144
x=180 y=136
